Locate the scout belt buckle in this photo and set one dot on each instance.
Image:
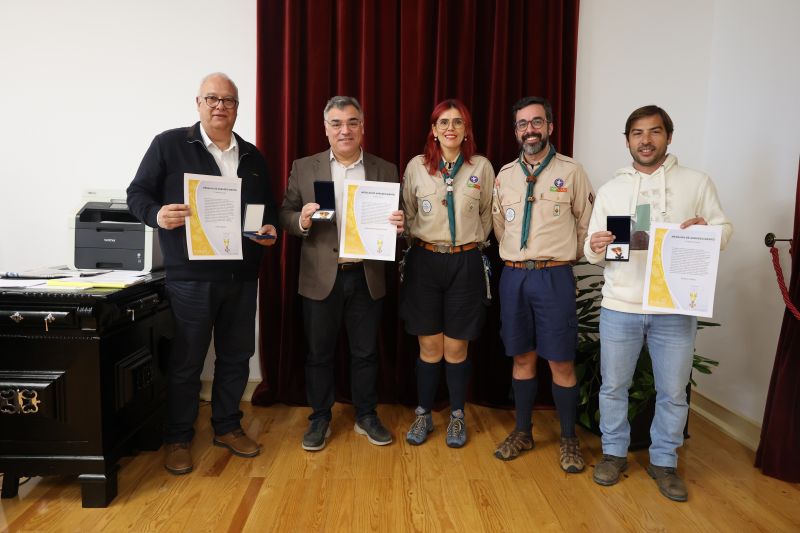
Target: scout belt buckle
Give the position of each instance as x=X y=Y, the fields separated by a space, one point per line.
x=442 y=248
x=536 y=264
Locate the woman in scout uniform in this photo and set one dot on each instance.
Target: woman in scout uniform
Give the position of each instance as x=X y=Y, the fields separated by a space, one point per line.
x=447 y=198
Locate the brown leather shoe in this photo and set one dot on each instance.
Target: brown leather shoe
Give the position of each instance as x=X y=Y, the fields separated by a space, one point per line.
x=238 y=443
x=669 y=484
x=178 y=460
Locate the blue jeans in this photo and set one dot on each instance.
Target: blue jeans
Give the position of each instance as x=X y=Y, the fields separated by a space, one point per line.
x=670 y=339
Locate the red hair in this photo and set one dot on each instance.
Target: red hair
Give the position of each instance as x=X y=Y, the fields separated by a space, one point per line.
x=432 y=153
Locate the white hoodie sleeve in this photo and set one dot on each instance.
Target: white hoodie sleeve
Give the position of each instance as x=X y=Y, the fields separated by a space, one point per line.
x=709 y=208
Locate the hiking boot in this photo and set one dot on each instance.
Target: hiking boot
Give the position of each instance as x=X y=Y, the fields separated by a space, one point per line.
x=570 y=455
x=238 y=443
x=456 y=430
x=668 y=482
x=420 y=428
x=376 y=433
x=516 y=442
x=609 y=469
x=178 y=460
x=317 y=435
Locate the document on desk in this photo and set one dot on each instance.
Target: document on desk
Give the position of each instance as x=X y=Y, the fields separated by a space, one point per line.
x=681 y=273
x=213 y=230
x=114 y=279
x=366 y=232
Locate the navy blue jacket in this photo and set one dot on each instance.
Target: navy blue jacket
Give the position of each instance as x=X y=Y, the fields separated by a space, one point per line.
x=159 y=181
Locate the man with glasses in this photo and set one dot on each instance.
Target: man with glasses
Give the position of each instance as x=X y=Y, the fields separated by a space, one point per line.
x=654 y=188
x=542 y=204
x=336 y=289
x=206 y=296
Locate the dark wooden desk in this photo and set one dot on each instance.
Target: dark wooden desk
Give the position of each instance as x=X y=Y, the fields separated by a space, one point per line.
x=81 y=382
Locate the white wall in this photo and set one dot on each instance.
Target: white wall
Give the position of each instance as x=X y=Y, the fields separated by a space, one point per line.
x=86 y=85
x=728 y=74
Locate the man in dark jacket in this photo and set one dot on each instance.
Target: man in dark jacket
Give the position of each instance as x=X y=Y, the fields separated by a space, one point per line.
x=205 y=295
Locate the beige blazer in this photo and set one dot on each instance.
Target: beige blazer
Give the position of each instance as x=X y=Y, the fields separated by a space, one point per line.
x=320 y=252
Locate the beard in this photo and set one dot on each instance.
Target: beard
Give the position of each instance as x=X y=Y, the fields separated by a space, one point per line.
x=535 y=148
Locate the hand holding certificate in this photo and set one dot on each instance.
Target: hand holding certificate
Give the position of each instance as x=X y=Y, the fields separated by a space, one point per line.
x=366 y=231
x=681 y=270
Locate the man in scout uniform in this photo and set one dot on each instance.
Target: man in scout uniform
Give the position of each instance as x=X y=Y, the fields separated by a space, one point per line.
x=542 y=204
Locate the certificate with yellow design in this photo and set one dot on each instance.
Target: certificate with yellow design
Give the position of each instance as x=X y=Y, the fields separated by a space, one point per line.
x=681 y=272
x=213 y=230
x=366 y=232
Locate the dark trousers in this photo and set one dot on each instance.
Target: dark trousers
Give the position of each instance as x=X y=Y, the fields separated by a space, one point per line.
x=229 y=309
x=349 y=300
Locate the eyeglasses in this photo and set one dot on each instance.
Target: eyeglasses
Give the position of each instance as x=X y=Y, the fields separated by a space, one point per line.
x=537 y=124
x=337 y=125
x=444 y=123
x=227 y=102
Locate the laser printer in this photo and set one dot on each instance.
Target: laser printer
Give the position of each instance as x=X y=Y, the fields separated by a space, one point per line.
x=107 y=235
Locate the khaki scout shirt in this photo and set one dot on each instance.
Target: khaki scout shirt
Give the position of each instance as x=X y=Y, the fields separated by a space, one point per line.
x=560 y=212
x=423 y=194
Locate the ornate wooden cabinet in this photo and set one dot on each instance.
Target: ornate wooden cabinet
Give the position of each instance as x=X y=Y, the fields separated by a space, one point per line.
x=82 y=382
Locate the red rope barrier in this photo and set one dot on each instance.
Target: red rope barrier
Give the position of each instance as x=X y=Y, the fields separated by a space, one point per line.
x=782 y=284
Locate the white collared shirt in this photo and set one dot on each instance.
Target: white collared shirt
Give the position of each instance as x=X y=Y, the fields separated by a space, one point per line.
x=339 y=173
x=228 y=159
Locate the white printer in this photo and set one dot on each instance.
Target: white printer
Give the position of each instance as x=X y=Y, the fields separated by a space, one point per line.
x=107 y=235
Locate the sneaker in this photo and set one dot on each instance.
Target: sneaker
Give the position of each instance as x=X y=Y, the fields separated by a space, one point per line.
x=515 y=443
x=420 y=428
x=456 y=430
x=317 y=435
x=371 y=427
x=238 y=443
x=609 y=469
x=668 y=482
x=178 y=460
x=570 y=455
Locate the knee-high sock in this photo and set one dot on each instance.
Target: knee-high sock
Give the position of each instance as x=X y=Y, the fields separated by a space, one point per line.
x=566 y=400
x=427 y=382
x=524 y=395
x=457 y=378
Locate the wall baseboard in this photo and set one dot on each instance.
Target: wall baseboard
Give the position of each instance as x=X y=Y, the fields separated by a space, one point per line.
x=740 y=428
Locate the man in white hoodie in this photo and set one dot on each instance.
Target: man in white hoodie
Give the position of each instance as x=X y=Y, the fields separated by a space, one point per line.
x=654 y=189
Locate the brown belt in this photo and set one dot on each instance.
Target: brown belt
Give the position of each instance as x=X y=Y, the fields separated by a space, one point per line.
x=535 y=265
x=446 y=248
x=349 y=266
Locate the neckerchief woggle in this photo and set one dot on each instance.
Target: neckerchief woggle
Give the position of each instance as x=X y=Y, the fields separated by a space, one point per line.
x=531 y=179
x=448 y=176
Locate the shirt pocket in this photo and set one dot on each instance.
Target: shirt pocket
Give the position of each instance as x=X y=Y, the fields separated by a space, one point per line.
x=426 y=198
x=470 y=200
x=511 y=207
x=555 y=203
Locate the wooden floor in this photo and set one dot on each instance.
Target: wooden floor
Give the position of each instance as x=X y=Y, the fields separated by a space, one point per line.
x=352 y=486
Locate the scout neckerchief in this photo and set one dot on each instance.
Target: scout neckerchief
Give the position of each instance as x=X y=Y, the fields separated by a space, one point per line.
x=531 y=179
x=448 y=176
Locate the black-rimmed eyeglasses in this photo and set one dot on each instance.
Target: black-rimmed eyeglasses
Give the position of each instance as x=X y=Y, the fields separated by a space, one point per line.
x=537 y=124
x=227 y=102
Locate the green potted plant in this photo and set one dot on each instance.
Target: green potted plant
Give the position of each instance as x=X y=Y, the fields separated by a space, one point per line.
x=641 y=400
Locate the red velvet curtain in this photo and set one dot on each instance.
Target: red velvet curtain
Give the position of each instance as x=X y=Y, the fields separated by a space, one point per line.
x=777 y=454
x=399 y=58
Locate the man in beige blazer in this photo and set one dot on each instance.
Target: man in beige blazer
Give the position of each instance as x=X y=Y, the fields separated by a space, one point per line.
x=332 y=288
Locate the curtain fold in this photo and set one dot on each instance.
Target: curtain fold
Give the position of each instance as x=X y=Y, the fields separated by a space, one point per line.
x=399 y=58
x=777 y=454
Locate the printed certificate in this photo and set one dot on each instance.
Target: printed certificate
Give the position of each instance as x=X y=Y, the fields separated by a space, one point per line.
x=213 y=230
x=366 y=232
x=681 y=270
